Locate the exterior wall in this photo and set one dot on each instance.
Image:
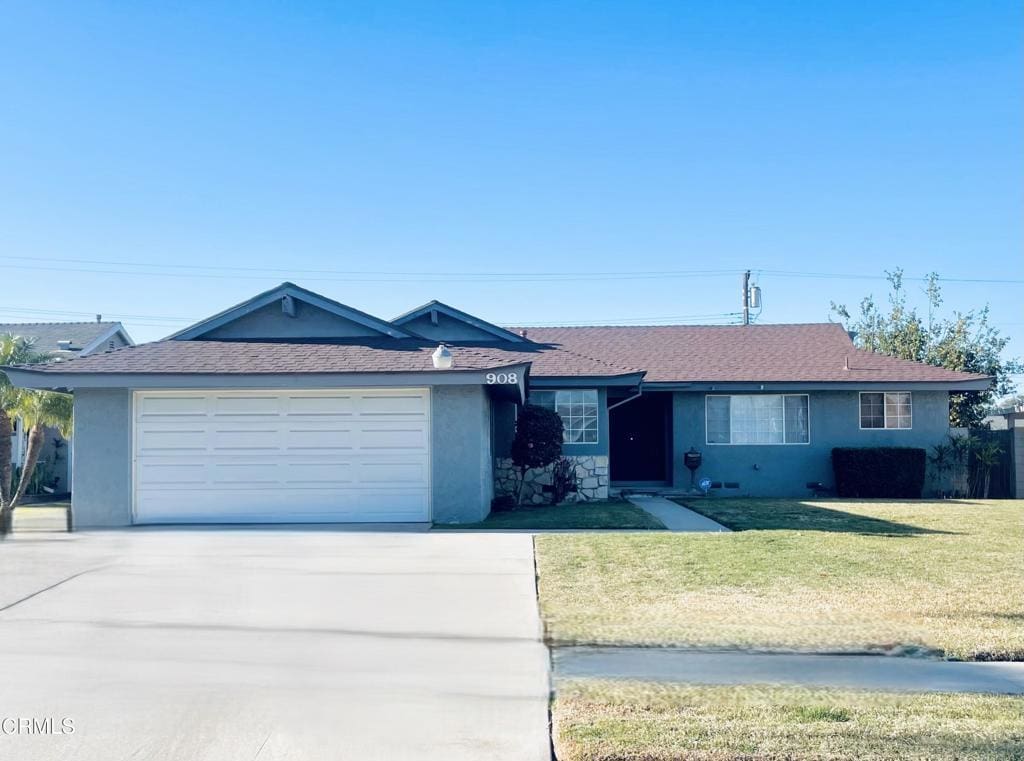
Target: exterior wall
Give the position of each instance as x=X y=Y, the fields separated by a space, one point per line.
x=462 y=477
x=591 y=478
x=309 y=322
x=102 y=493
x=785 y=470
x=590 y=460
x=461 y=459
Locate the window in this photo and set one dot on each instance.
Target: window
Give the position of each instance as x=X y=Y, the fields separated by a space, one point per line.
x=891 y=409
x=758 y=419
x=578 y=410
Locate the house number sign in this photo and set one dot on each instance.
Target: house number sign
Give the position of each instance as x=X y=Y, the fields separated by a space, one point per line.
x=501 y=379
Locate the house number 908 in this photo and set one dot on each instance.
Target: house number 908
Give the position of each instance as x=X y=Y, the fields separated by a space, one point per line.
x=501 y=378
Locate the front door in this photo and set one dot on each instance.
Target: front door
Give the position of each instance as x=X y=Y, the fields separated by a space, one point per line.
x=639 y=439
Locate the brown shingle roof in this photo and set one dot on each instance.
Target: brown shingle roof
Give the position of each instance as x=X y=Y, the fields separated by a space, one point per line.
x=816 y=352
x=682 y=354
x=375 y=355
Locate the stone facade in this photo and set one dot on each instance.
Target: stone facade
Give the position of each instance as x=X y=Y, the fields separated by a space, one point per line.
x=591 y=480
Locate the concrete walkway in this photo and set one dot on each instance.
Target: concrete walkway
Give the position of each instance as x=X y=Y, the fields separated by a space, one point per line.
x=674 y=516
x=851 y=671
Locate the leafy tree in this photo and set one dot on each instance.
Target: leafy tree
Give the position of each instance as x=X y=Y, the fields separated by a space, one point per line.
x=537 y=442
x=962 y=341
x=38 y=411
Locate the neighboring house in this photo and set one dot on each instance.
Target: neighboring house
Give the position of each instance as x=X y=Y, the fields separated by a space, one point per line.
x=61 y=340
x=291 y=407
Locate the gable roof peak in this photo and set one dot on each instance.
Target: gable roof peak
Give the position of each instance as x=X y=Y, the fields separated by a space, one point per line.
x=289 y=289
x=457 y=314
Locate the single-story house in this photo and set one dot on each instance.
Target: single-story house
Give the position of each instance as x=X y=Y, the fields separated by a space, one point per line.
x=292 y=407
x=61 y=340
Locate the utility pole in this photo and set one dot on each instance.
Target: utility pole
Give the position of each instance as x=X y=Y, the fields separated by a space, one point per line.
x=746 y=297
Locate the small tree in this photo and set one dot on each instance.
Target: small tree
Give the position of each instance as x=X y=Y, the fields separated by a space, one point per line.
x=38 y=411
x=537 y=443
x=963 y=341
x=14 y=350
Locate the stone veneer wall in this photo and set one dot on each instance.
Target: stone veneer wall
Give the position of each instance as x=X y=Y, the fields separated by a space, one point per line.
x=591 y=479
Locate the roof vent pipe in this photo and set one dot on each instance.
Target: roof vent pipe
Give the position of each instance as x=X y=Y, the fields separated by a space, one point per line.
x=442 y=357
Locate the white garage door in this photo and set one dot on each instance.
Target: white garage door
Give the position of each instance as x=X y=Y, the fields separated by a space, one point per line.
x=295 y=456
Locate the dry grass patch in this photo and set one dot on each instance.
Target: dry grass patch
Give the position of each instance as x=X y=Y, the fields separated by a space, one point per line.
x=826 y=576
x=612 y=721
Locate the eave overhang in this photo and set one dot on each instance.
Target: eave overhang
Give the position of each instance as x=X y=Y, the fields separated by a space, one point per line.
x=69 y=382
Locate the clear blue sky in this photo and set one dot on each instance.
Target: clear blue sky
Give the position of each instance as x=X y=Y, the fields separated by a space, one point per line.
x=531 y=137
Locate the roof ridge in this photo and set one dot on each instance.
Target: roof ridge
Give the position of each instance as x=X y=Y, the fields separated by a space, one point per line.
x=66 y=322
x=677 y=325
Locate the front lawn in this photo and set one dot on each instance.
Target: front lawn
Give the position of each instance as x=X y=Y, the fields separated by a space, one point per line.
x=584 y=515
x=942 y=578
x=603 y=720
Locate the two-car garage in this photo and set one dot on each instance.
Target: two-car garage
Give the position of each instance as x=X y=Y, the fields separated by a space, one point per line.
x=336 y=455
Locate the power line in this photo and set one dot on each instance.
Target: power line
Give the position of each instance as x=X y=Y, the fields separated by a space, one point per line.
x=149 y=269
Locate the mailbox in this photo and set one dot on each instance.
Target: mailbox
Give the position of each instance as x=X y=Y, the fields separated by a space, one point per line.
x=692 y=459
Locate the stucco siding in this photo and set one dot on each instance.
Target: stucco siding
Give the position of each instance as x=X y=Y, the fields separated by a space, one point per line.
x=102 y=458
x=461 y=454
x=785 y=470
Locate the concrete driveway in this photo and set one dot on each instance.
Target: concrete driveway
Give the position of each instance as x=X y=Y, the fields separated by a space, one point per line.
x=271 y=644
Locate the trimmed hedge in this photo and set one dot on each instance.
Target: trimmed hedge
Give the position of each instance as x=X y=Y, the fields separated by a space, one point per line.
x=879 y=471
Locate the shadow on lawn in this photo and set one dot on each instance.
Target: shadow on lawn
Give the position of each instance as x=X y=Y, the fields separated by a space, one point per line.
x=803 y=516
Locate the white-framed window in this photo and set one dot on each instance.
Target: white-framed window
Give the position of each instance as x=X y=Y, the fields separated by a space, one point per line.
x=758 y=418
x=886 y=409
x=578 y=409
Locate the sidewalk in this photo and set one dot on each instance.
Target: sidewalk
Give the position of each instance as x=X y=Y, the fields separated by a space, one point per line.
x=674 y=516
x=856 y=671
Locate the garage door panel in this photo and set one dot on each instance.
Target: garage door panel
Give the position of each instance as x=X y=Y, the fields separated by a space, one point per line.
x=172 y=474
x=320 y=406
x=395 y=437
x=387 y=405
x=329 y=438
x=263 y=406
x=226 y=440
x=390 y=472
x=321 y=473
x=244 y=473
x=164 y=406
x=152 y=439
x=296 y=456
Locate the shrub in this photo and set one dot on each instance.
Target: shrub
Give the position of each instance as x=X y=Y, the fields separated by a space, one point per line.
x=538 y=440
x=563 y=480
x=879 y=471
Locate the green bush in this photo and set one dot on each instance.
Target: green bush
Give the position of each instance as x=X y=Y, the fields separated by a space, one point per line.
x=879 y=471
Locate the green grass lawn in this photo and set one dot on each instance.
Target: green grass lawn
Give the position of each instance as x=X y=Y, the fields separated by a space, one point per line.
x=945 y=578
x=588 y=515
x=602 y=721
